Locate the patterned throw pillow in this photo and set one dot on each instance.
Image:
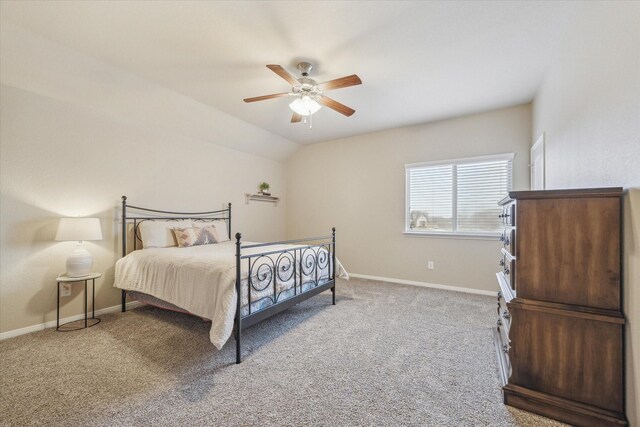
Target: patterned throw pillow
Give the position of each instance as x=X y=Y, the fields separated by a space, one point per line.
x=196 y=236
x=220 y=226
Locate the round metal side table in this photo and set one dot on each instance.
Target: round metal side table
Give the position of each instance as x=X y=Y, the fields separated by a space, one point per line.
x=88 y=322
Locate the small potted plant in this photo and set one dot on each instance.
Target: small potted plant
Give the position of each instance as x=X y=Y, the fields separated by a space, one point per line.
x=264 y=189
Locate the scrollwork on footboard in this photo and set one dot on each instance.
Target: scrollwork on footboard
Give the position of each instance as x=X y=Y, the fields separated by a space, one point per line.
x=277 y=278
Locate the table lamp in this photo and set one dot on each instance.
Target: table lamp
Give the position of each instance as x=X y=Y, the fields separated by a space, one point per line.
x=79 y=261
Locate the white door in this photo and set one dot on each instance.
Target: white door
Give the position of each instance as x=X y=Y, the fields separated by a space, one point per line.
x=537 y=164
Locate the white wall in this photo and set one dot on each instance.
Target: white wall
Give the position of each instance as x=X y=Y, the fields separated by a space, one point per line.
x=358 y=185
x=76 y=134
x=589 y=109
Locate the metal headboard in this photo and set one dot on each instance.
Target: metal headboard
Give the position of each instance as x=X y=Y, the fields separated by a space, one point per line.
x=140 y=215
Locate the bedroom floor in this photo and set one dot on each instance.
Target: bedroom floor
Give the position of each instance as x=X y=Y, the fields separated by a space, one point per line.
x=386 y=354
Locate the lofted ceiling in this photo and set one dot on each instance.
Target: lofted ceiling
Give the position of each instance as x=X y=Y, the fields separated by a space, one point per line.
x=419 y=61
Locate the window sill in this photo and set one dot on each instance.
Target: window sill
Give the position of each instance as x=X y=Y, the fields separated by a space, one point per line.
x=444 y=235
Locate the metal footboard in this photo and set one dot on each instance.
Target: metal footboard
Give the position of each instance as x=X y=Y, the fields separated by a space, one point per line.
x=281 y=278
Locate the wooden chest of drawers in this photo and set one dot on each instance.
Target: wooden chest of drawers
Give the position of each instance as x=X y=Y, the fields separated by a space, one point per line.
x=560 y=329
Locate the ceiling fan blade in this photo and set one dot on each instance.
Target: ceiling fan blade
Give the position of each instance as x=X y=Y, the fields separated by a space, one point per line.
x=263 y=97
x=347 y=81
x=335 y=105
x=296 y=118
x=284 y=74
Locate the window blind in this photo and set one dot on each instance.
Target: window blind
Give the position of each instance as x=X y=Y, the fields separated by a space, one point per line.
x=458 y=196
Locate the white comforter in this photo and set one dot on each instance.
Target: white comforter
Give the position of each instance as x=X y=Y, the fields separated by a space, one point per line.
x=198 y=279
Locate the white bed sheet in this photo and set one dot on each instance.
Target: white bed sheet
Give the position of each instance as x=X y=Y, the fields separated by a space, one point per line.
x=198 y=279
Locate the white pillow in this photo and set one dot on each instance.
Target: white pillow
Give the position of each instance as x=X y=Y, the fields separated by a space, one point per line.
x=159 y=234
x=220 y=225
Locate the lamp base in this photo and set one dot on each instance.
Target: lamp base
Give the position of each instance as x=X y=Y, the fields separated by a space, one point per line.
x=79 y=262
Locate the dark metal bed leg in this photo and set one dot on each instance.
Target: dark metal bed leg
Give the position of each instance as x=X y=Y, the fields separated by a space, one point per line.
x=239 y=300
x=238 y=347
x=333 y=263
x=124 y=245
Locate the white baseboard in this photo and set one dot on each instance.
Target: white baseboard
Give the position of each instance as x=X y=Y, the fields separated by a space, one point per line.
x=425 y=285
x=52 y=323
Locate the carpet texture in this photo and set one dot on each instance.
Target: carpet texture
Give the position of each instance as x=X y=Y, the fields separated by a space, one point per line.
x=385 y=355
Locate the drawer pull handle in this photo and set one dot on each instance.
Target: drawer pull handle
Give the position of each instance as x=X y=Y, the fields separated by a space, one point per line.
x=506 y=270
x=501 y=263
x=506 y=315
x=506 y=241
x=502 y=238
x=505 y=349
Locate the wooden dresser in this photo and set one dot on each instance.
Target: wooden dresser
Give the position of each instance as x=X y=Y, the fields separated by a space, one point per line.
x=560 y=331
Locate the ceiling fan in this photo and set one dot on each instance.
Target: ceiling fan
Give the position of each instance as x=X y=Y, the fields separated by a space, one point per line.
x=308 y=94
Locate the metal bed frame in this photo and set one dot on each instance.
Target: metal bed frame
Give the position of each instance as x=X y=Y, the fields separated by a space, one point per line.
x=265 y=268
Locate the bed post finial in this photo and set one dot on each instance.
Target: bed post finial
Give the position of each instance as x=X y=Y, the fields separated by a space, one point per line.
x=124 y=198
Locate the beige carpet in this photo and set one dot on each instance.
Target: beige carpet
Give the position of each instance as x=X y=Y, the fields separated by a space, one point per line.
x=385 y=355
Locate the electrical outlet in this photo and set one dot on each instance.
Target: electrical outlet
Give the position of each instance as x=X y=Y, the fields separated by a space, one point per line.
x=430 y=265
x=65 y=290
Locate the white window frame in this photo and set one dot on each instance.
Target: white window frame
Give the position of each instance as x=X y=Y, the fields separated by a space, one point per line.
x=454 y=162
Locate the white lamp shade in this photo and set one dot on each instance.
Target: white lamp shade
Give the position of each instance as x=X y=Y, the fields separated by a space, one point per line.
x=305 y=106
x=79 y=229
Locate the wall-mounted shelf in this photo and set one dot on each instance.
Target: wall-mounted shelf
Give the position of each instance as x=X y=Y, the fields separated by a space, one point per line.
x=261 y=198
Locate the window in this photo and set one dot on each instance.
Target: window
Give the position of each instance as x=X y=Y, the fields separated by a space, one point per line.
x=457 y=197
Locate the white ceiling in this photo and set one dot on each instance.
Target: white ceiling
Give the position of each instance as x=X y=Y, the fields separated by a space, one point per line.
x=419 y=61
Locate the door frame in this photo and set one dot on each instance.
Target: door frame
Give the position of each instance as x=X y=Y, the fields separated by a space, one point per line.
x=538 y=144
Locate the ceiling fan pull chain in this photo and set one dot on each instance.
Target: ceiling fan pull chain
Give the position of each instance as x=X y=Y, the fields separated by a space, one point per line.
x=310 y=121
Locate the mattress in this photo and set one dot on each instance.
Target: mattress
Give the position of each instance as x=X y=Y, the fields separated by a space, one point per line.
x=201 y=279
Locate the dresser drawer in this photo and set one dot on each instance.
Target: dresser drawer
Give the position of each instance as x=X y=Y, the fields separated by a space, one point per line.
x=506 y=342
x=509 y=272
x=504 y=319
x=502 y=349
x=508 y=215
x=508 y=239
x=588 y=345
x=508 y=264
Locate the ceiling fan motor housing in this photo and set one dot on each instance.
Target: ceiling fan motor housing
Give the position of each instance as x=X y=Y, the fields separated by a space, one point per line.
x=304 y=68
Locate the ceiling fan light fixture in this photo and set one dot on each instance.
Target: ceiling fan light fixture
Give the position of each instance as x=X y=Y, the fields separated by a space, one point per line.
x=305 y=105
